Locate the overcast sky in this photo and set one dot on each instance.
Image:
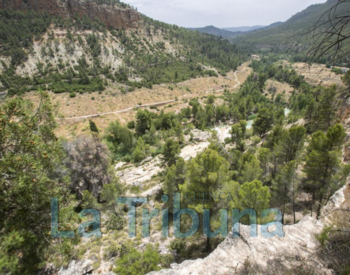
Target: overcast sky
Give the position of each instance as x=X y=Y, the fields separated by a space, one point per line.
x=221 y=13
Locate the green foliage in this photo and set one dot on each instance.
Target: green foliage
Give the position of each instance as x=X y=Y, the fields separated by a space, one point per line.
x=29 y=157
x=178 y=245
x=143 y=121
x=207 y=172
x=93 y=127
x=250 y=169
x=263 y=123
x=17 y=30
x=323 y=115
x=175 y=176
x=292 y=140
x=115 y=222
x=171 y=150
x=119 y=138
x=285 y=186
x=141 y=151
x=131 y=125
x=294 y=36
x=323 y=168
x=110 y=192
x=135 y=262
x=238 y=134
x=254 y=195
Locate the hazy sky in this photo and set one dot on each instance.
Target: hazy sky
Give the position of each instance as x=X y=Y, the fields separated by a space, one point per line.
x=221 y=13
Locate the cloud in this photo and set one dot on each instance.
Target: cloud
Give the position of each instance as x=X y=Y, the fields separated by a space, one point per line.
x=221 y=13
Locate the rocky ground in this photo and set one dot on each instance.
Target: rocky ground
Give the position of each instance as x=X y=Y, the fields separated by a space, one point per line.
x=296 y=251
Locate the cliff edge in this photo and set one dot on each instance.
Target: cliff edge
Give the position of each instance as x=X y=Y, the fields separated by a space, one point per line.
x=296 y=251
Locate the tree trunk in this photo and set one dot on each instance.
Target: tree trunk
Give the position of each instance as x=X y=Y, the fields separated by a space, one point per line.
x=208 y=245
x=293 y=200
x=319 y=207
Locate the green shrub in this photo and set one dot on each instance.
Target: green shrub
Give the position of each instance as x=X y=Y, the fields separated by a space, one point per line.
x=115 y=223
x=113 y=250
x=131 y=124
x=178 y=245
x=135 y=262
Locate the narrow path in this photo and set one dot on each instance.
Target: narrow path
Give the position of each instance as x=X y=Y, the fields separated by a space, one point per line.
x=121 y=111
x=156 y=104
x=238 y=82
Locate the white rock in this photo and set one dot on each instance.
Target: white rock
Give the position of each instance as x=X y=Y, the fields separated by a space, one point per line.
x=77 y=268
x=277 y=255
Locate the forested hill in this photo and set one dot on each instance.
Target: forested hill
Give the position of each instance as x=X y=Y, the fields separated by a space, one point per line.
x=217 y=32
x=293 y=36
x=62 y=48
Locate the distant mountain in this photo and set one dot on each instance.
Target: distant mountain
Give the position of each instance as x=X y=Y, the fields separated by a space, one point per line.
x=216 y=31
x=273 y=25
x=243 y=29
x=291 y=36
x=229 y=33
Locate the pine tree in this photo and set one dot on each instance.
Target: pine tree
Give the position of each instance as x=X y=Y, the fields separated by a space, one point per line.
x=323 y=167
x=285 y=186
x=171 y=151
x=208 y=172
x=30 y=157
x=263 y=123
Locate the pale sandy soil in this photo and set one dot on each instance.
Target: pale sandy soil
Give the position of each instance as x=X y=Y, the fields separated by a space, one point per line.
x=113 y=100
x=318 y=74
x=280 y=88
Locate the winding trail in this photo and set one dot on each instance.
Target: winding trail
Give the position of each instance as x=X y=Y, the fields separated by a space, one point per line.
x=156 y=104
x=238 y=82
x=121 y=111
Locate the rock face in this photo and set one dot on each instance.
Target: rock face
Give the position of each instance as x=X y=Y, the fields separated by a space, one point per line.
x=296 y=251
x=260 y=255
x=77 y=268
x=111 y=15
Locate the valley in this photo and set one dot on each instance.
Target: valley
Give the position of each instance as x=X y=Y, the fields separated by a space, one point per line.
x=109 y=119
x=74 y=113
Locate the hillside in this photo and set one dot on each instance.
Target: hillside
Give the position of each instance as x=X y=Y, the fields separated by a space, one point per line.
x=217 y=32
x=129 y=146
x=80 y=46
x=244 y=28
x=292 y=36
x=230 y=33
x=112 y=13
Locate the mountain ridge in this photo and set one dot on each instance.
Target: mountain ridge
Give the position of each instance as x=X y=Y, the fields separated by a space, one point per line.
x=113 y=13
x=292 y=36
x=212 y=30
x=244 y=28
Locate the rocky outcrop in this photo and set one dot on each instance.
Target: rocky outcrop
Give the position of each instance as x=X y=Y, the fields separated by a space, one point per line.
x=260 y=255
x=296 y=251
x=77 y=268
x=109 y=14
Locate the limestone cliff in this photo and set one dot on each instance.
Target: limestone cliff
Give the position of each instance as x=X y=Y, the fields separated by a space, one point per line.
x=296 y=251
x=110 y=14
